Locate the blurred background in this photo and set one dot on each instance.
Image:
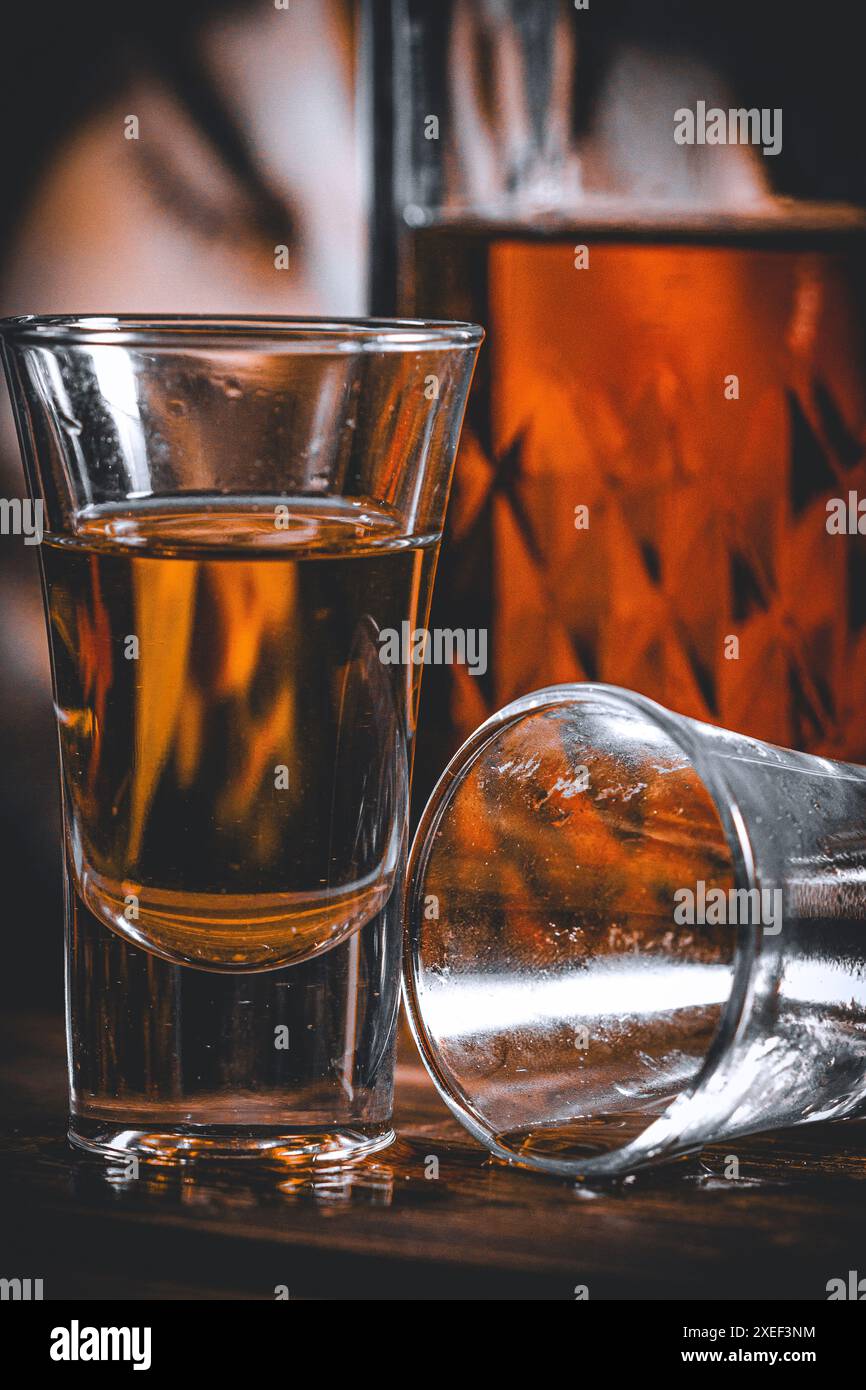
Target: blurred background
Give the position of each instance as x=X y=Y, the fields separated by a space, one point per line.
x=254 y=130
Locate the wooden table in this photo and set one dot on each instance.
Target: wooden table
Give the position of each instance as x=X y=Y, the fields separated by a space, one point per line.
x=795 y=1218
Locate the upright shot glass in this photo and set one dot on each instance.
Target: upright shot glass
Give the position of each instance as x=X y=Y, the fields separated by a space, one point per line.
x=235 y=510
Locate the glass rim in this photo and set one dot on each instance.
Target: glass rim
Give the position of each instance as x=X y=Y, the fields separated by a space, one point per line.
x=278 y=332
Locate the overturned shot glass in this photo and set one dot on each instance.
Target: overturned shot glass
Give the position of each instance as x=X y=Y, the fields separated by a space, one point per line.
x=631 y=934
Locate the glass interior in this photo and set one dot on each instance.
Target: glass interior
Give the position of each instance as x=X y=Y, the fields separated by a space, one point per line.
x=560 y=1004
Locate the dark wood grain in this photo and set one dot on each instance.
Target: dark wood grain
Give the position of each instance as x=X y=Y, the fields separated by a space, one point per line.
x=795 y=1218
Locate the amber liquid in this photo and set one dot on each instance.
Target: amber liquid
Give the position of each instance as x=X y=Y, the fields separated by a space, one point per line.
x=235 y=754
x=608 y=387
x=235 y=784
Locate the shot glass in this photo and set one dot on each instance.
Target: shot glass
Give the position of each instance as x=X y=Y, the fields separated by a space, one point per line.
x=631 y=934
x=235 y=510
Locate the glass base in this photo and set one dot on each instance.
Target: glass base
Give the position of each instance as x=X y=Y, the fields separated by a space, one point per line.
x=221 y=1143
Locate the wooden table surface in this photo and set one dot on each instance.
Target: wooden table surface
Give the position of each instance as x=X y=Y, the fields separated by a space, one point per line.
x=795 y=1218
